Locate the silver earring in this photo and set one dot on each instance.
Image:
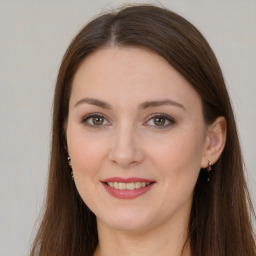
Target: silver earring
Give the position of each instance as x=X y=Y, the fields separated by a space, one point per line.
x=70 y=165
x=69 y=161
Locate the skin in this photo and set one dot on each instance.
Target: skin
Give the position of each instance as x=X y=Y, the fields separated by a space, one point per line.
x=132 y=143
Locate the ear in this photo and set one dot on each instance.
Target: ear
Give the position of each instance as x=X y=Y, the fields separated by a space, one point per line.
x=215 y=141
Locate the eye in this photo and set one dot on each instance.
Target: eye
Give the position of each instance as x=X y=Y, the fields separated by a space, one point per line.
x=160 y=121
x=95 y=120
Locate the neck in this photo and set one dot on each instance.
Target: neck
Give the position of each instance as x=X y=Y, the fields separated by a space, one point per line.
x=166 y=239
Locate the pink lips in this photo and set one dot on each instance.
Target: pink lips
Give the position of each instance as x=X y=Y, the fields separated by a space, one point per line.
x=127 y=194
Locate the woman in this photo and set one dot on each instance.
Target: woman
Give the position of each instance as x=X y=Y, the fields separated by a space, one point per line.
x=145 y=155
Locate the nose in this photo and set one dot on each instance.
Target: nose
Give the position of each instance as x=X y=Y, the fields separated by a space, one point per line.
x=125 y=150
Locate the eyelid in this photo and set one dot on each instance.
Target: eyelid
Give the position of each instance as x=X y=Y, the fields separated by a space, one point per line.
x=91 y=115
x=170 y=119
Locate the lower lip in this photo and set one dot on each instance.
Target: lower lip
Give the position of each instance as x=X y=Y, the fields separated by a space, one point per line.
x=127 y=194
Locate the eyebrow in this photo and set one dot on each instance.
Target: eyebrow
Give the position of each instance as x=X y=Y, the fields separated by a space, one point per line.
x=95 y=102
x=143 y=105
x=149 y=104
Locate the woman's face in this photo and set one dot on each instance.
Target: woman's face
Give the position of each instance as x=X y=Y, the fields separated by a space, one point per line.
x=136 y=138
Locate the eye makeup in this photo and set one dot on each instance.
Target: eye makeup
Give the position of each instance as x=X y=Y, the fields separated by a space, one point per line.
x=160 y=120
x=156 y=120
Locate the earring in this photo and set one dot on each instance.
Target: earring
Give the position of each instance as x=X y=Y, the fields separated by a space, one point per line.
x=69 y=162
x=70 y=165
x=209 y=168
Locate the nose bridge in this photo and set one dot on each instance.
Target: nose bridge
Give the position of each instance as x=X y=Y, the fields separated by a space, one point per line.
x=125 y=149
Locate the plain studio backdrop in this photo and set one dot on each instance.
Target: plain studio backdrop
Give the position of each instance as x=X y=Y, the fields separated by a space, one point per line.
x=33 y=38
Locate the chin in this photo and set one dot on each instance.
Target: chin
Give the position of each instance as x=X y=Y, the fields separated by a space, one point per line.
x=131 y=222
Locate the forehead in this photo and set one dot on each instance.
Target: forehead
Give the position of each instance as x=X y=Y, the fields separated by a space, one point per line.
x=130 y=74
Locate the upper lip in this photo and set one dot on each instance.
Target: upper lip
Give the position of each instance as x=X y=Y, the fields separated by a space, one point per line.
x=127 y=180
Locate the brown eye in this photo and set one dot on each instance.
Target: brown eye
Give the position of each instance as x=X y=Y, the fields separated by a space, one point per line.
x=159 y=121
x=97 y=120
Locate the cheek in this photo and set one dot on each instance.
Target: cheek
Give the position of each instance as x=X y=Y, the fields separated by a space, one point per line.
x=178 y=160
x=87 y=152
x=184 y=149
x=87 y=156
x=177 y=163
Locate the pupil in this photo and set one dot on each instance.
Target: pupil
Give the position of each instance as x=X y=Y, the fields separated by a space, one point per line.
x=159 y=121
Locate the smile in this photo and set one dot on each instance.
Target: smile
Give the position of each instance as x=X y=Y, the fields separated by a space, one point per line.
x=127 y=188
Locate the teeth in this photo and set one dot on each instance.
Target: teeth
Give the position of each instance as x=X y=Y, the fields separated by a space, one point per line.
x=122 y=186
x=116 y=186
x=128 y=186
x=137 y=185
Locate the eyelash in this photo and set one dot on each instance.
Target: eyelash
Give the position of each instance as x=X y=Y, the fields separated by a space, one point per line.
x=151 y=117
x=86 y=118
x=171 y=120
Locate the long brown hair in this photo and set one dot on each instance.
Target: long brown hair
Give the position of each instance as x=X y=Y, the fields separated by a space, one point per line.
x=220 y=215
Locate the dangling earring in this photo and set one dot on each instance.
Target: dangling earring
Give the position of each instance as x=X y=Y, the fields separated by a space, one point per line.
x=209 y=168
x=69 y=162
x=70 y=165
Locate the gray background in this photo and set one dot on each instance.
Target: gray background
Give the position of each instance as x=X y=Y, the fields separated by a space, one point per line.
x=33 y=38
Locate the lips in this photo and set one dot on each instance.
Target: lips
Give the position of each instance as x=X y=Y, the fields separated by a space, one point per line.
x=127 y=188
